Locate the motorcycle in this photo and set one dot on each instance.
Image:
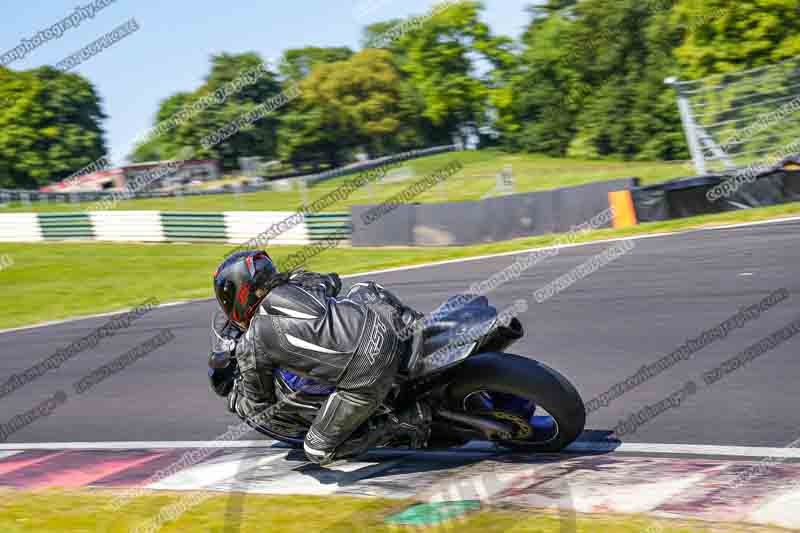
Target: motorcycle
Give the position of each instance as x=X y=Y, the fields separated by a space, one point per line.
x=476 y=391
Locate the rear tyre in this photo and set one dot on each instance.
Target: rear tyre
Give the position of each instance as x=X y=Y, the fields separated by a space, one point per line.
x=526 y=379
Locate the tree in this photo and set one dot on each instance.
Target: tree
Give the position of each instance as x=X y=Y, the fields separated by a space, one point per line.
x=536 y=115
x=191 y=117
x=629 y=112
x=297 y=63
x=50 y=126
x=590 y=82
x=441 y=59
x=344 y=106
x=158 y=148
x=728 y=35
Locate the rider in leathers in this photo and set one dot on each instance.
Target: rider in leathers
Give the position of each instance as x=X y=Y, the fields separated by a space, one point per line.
x=299 y=323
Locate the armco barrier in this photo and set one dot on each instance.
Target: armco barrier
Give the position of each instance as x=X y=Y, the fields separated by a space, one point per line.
x=379 y=162
x=153 y=226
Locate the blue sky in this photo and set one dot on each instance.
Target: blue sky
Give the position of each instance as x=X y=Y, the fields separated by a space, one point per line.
x=171 y=50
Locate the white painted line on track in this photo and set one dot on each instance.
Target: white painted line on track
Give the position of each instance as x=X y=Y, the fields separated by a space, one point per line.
x=701 y=450
x=440 y=263
x=749 y=224
x=686 y=449
x=99 y=315
x=4 y=455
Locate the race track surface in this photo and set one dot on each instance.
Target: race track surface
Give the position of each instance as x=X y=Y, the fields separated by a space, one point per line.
x=597 y=332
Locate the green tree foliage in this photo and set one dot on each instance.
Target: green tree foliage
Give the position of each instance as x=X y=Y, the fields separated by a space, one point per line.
x=442 y=59
x=344 y=106
x=535 y=115
x=162 y=147
x=297 y=63
x=585 y=79
x=730 y=35
x=50 y=126
x=624 y=107
x=590 y=82
x=256 y=140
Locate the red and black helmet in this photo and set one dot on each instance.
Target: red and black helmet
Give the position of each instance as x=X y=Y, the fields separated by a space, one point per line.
x=240 y=283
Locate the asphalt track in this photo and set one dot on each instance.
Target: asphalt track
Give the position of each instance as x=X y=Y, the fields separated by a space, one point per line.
x=599 y=331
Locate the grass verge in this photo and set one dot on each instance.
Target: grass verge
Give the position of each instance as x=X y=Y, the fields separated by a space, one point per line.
x=477 y=178
x=54 y=280
x=89 y=511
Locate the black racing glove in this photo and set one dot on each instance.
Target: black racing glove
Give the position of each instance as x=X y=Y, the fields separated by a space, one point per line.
x=331 y=282
x=222 y=366
x=335 y=284
x=222 y=379
x=234 y=396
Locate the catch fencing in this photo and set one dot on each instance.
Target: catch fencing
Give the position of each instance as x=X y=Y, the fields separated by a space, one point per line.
x=733 y=119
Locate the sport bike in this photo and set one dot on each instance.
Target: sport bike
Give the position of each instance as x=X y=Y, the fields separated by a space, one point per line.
x=476 y=391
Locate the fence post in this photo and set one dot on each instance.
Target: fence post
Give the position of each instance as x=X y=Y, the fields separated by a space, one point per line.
x=689 y=127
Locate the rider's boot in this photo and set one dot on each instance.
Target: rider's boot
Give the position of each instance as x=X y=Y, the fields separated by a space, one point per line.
x=411 y=426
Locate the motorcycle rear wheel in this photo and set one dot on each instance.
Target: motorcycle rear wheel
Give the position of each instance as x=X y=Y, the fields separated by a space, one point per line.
x=526 y=379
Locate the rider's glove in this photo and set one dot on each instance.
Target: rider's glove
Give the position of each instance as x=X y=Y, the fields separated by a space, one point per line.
x=221 y=379
x=234 y=396
x=335 y=284
x=222 y=366
x=331 y=282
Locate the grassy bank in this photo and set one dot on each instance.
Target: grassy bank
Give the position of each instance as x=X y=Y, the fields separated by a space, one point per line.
x=83 y=511
x=56 y=280
x=476 y=179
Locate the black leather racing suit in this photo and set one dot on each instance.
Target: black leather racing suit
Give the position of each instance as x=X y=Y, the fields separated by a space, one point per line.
x=351 y=342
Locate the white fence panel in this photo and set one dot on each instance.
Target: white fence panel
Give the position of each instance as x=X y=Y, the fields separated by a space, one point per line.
x=242 y=226
x=20 y=227
x=141 y=226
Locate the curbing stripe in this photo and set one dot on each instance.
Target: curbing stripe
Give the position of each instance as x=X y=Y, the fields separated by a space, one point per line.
x=700 y=450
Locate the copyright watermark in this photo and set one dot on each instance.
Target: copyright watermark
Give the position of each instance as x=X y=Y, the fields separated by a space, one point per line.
x=6 y=261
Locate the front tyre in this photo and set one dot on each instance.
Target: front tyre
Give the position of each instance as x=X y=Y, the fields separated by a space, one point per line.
x=496 y=385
